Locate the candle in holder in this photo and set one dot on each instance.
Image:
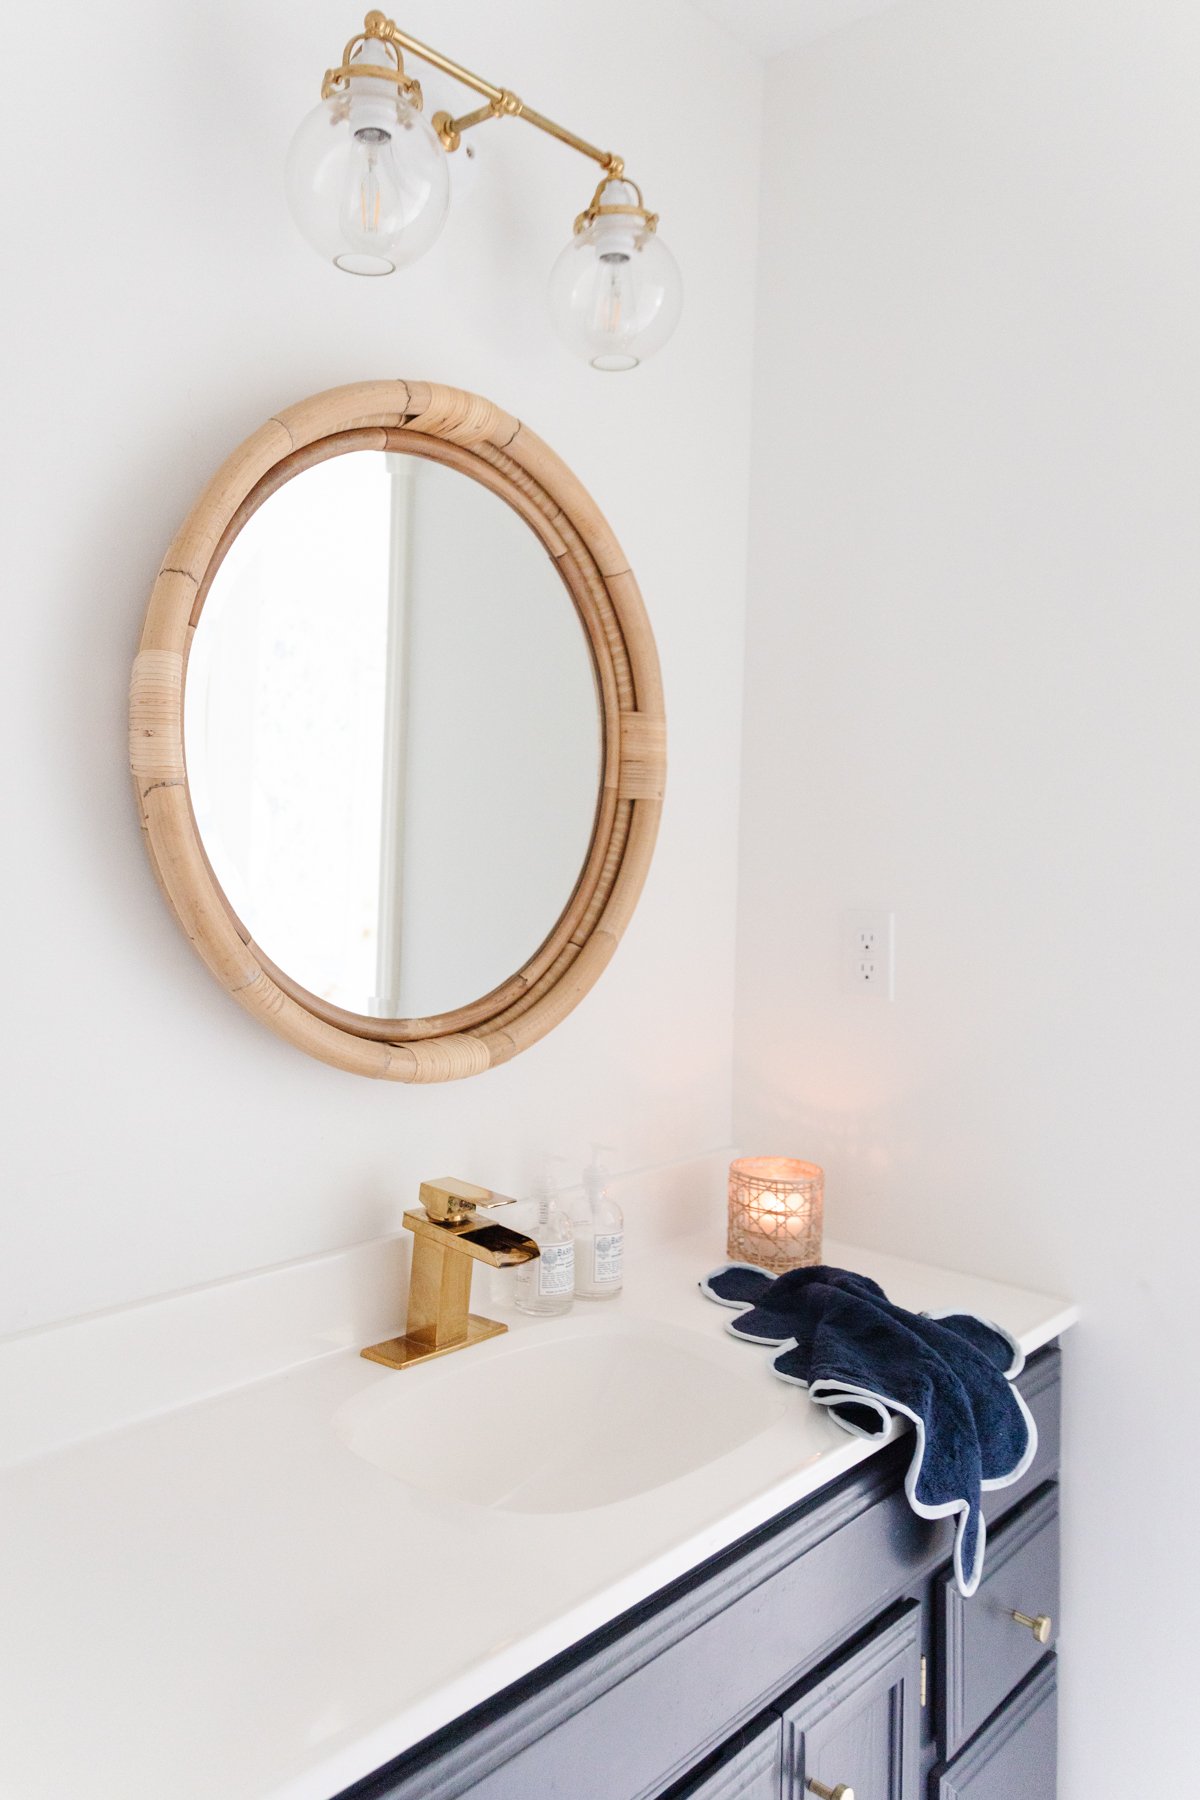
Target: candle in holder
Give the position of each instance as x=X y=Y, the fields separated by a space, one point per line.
x=776 y=1209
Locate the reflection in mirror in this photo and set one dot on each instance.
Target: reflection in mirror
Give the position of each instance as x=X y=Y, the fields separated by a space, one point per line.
x=392 y=734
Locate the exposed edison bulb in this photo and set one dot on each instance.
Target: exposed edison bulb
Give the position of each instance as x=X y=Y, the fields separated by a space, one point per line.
x=615 y=291
x=367 y=180
x=614 y=306
x=372 y=213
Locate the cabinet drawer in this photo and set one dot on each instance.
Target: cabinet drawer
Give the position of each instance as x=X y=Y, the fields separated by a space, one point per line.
x=747 y=1769
x=1016 y=1756
x=985 y=1652
x=856 y=1722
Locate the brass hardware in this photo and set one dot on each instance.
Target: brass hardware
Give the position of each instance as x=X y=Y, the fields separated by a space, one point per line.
x=595 y=209
x=448 y=1236
x=502 y=103
x=924 y=1682
x=840 y=1792
x=1041 y=1626
x=451 y=1201
x=402 y=1353
x=336 y=79
x=374 y=26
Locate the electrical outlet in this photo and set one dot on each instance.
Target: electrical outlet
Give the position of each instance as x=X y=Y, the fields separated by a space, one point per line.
x=869 y=953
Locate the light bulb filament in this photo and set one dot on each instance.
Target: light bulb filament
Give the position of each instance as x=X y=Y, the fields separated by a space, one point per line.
x=370 y=200
x=370 y=188
x=614 y=302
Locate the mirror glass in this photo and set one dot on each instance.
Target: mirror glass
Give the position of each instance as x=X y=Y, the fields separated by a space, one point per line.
x=393 y=735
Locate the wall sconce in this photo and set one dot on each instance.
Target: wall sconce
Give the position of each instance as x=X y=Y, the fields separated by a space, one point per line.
x=368 y=185
x=776 y=1212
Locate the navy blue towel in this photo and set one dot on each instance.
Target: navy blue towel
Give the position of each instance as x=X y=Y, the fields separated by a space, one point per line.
x=838 y=1335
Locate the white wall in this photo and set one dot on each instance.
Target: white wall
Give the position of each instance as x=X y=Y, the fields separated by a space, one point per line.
x=159 y=304
x=972 y=696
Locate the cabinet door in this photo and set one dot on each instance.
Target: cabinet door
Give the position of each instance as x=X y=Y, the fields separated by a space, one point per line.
x=746 y=1769
x=1015 y=1757
x=854 y=1724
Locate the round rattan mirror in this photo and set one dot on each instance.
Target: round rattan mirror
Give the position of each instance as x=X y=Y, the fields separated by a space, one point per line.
x=396 y=731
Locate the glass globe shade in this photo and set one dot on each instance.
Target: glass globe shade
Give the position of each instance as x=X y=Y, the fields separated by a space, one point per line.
x=367 y=181
x=615 y=291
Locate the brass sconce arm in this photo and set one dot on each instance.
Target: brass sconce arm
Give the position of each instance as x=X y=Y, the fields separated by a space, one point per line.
x=502 y=103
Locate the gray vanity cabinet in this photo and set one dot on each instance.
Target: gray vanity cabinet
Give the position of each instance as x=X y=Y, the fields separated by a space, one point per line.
x=985 y=1657
x=747 y=1769
x=856 y=1724
x=1015 y=1757
x=828 y=1648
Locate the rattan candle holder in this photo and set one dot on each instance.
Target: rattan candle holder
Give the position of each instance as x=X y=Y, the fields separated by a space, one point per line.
x=776 y=1212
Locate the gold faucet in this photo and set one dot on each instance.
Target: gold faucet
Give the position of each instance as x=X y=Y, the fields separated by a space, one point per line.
x=448 y=1237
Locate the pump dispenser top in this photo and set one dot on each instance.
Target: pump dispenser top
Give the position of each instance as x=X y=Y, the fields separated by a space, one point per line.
x=547 y=1285
x=599 y=1235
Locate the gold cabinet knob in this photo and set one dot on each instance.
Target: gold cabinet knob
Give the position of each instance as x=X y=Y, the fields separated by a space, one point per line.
x=840 y=1792
x=1041 y=1626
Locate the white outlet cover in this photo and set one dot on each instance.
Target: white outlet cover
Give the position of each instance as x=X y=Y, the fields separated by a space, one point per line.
x=868 y=952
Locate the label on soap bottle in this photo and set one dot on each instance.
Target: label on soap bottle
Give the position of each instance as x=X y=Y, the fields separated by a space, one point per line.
x=556 y=1269
x=608 y=1257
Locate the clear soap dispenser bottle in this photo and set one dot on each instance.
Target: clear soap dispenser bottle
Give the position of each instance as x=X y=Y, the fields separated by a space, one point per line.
x=599 y=1235
x=547 y=1284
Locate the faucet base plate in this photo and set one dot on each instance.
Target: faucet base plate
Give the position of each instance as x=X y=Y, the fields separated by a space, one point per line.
x=404 y=1353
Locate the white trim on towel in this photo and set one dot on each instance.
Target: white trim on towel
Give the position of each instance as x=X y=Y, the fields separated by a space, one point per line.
x=1018 y=1355
x=870 y=1403
x=745 y=1337
x=1031 y=1447
x=827 y=1392
x=741 y=1306
x=734 y=1305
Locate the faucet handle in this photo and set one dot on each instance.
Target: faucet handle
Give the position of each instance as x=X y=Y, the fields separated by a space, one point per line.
x=450 y=1201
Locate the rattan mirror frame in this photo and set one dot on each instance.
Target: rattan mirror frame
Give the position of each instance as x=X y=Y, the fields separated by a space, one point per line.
x=479 y=439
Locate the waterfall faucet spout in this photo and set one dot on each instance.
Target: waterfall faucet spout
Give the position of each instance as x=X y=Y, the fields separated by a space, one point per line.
x=448 y=1236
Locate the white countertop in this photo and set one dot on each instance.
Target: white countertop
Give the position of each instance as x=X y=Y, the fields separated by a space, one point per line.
x=223 y=1602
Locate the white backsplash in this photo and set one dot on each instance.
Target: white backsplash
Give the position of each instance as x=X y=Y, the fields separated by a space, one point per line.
x=105 y=1370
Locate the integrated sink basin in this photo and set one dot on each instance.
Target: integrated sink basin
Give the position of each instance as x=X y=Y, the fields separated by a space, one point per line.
x=563 y=1417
